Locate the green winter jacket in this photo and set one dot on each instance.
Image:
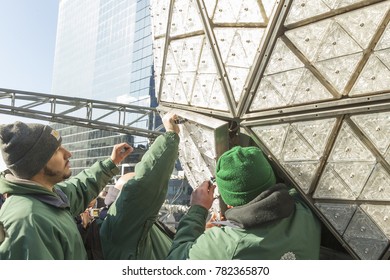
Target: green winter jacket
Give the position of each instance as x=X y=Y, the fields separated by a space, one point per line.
x=40 y=224
x=129 y=230
x=256 y=232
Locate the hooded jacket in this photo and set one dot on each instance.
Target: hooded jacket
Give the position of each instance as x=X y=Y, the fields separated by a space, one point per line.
x=37 y=223
x=275 y=225
x=129 y=230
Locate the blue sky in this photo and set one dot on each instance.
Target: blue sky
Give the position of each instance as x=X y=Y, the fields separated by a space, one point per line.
x=27 y=35
x=27 y=43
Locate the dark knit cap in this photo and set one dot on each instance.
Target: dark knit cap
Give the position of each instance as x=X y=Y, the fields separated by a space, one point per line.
x=242 y=174
x=26 y=148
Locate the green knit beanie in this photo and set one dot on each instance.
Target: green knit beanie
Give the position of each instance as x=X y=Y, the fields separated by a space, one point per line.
x=242 y=174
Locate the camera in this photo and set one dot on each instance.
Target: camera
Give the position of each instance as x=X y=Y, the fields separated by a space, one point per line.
x=94 y=212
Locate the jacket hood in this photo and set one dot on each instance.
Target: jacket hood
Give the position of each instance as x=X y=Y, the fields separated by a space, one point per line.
x=269 y=206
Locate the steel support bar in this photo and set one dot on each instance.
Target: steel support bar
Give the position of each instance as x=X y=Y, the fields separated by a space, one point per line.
x=74 y=111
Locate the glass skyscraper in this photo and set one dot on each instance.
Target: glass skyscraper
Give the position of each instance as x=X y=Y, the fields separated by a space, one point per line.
x=142 y=87
x=104 y=52
x=94 y=48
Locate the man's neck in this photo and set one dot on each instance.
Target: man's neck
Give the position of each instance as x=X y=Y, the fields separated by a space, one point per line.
x=42 y=180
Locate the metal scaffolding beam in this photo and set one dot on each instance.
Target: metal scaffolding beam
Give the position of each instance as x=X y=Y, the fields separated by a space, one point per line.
x=78 y=111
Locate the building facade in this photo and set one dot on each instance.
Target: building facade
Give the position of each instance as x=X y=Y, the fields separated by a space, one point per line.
x=104 y=52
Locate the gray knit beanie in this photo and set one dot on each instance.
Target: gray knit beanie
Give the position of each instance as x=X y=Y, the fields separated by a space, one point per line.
x=26 y=148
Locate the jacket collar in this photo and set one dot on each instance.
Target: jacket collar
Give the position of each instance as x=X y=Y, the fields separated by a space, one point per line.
x=57 y=198
x=271 y=205
x=60 y=201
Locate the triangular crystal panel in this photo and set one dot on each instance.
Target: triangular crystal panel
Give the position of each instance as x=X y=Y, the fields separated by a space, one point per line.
x=374 y=77
x=266 y=97
x=185 y=18
x=384 y=41
x=303 y=173
x=331 y=186
x=338 y=71
x=384 y=56
x=159 y=14
x=380 y=214
x=238 y=11
x=238 y=47
x=210 y=7
x=348 y=148
x=158 y=51
x=187 y=53
x=367 y=240
x=339 y=215
x=376 y=127
x=169 y=88
x=237 y=77
x=303 y=9
x=354 y=175
x=335 y=4
x=285 y=83
x=272 y=136
x=191 y=157
x=282 y=59
x=363 y=23
x=378 y=185
x=208 y=92
x=309 y=90
x=171 y=65
x=336 y=43
x=316 y=133
x=296 y=148
x=308 y=38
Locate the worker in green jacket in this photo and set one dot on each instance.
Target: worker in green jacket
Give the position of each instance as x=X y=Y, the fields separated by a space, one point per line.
x=131 y=229
x=37 y=217
x=265 y=220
